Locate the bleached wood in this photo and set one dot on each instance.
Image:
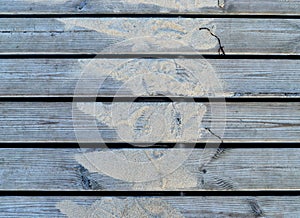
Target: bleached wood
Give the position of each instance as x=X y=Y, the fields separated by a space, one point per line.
x=248 y=169
x=59 y=77
x=210 y=206
x=245 y=122
x=150 y=7
x=148 y=36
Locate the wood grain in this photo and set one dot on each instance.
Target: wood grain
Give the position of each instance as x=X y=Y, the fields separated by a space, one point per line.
x=60 y=78
x=250 y=7
x=148 y=36
x=47 y=169
x=245 y=122
x=210 y=206
x=93 y=170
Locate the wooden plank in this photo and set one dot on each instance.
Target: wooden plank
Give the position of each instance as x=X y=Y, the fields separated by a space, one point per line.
x=149 y=36
x=151 y=7
x=61 y=78
x=209 y=206
x=47 y=169
x=146 y=122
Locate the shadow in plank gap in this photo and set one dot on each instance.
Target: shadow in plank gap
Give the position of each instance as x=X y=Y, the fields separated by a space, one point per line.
x=150 y=122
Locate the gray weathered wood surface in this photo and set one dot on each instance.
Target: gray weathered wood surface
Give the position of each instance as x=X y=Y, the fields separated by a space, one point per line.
x=150 y=7
x=245 y=122
x=148 y=35
x=210 y=206
x=254 y=169
x=94 y=170
x=60 y=77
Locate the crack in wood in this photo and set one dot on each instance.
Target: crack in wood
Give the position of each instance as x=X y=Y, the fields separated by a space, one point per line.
x=48 y=122
x=221 y=47
x=211 y=132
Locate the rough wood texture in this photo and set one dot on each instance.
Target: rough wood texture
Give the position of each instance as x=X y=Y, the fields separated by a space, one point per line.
x=245 y=122
x=150 y=7
x=239 y=206
x=148 y=35
x=96 y=170
x=231 y=169
x=59 y=77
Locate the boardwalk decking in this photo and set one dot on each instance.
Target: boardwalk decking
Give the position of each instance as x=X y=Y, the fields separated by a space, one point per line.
x=198 y=102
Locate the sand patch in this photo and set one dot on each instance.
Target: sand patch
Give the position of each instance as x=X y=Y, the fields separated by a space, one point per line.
x=149 y=35
x=178 y=5
x=114 y=207
x=149 y=122
x=148 y=77
x=141 y=166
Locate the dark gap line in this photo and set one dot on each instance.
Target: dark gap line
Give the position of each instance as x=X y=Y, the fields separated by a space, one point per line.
x=151 y=15
x=68 y=145
x=38 y=193
x=254 y=99
x=287 y=97
x=143 y=56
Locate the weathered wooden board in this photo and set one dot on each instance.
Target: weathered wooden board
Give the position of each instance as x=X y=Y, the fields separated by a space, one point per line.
x=210 y=206
x=149 y=36
x=48 y=169
x=146 y=122
x=150 y=7
x=97 y=170
x=235 y=78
